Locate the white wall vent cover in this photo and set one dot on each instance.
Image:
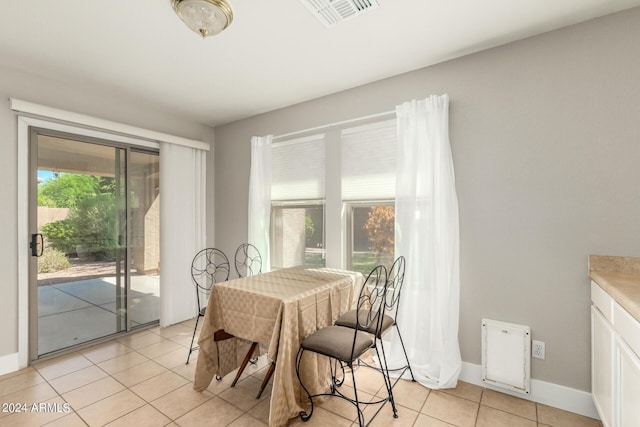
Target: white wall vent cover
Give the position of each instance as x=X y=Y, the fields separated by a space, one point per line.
x=332 y=12
x=506 y=355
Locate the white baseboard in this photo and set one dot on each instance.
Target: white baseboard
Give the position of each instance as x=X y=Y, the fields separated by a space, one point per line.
x=9 y=363
x=558 y=396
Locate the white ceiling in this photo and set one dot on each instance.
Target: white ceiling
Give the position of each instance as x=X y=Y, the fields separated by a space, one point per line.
x=274 y=54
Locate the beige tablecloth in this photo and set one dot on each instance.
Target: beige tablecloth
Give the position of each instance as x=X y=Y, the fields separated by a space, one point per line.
x=279 y=309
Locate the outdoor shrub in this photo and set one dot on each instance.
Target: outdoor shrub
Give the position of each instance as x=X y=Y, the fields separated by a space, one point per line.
x=94 y=224
x=52 y=260
x=309 y=229
x=60 y=235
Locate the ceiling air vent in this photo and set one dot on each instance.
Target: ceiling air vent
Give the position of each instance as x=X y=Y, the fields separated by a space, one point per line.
x=332 y=12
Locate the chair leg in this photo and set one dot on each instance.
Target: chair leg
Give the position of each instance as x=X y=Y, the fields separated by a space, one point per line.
x=384 y=367
x=266 y=379
x=334 y=374
x=195 y=328
x=355 y=400
x=244 y=363
x=355 y=395
x=405 y=354
x=304 y=416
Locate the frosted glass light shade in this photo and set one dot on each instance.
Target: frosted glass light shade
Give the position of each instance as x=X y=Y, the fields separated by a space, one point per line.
x=204 y=17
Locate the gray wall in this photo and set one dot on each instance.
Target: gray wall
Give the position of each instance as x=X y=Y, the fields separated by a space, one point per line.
x=93 y=101
x=545 y=137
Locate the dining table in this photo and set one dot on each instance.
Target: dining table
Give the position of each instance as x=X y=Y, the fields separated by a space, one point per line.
x=277 y=309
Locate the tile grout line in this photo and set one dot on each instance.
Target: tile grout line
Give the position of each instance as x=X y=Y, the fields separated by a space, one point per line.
x=126 y=388
x=76 y=353
x=172 y=420
x=479 y=405
x=76 y=411
x=60 y=395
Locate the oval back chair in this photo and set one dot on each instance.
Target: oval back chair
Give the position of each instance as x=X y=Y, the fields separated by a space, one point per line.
x=248 y=260
x=209 y=266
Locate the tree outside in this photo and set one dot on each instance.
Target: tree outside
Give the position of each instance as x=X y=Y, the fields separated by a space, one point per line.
x=90 y=228
x=380 y=229
x=373 y=236
x=66 y=189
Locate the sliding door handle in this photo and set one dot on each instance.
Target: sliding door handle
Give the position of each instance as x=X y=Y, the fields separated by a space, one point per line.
x=37 y=245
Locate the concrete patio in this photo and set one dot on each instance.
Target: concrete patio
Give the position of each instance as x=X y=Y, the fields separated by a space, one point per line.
x=80 y=311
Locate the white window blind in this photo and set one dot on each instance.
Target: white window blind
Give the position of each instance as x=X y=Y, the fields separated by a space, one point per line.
x=298 y=169
x=369 y=161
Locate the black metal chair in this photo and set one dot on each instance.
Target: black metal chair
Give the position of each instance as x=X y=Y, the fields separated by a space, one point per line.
x=345 y=345
x=248 y=260
x=209 y=266
x=396 y=280
x=392 y=303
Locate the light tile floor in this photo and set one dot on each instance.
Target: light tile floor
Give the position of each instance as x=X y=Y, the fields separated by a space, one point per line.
x=141 y=380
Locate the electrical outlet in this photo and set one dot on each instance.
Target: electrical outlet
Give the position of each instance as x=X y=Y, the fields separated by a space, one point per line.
x=537 y=350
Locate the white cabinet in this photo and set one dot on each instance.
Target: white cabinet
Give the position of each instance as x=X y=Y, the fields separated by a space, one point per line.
x=602 y=372
x=629 y=386
x=615 y=369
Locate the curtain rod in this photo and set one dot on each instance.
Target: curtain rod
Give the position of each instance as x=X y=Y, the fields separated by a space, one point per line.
x=344 y=122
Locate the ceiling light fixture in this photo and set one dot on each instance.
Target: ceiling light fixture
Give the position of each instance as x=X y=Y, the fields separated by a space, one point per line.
x=204 y=17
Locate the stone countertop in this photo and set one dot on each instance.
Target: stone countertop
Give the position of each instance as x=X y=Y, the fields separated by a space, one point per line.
x=620 y=278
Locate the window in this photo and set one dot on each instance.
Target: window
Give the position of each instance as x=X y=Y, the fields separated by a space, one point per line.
x=297 y=235
x=297 y=194
x=368 y=190
x=368 y=155
x=347 y=219
x=371 y=236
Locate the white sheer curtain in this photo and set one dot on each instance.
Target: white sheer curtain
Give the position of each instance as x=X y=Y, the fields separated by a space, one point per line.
x=182 y=228
x=427 y=235
x=260 y=197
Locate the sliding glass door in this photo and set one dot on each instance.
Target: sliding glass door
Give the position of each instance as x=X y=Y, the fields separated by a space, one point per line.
x=144 y=238
x=95 y=240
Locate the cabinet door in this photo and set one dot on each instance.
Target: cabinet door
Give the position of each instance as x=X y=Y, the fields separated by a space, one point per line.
x=629 y=386
x=602 y=362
